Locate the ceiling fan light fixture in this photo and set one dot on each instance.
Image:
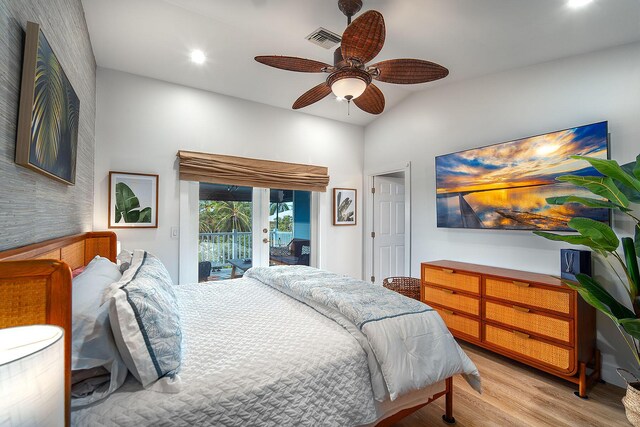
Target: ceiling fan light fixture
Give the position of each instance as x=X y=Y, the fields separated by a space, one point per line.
x=348 y=88
x=349 y=83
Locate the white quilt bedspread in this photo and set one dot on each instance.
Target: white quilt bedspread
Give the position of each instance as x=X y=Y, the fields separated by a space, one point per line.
x=254 y=357
x=408 y=343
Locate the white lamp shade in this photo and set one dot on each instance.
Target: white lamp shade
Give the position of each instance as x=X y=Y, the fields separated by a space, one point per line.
x=32 y=376
x=349 y=86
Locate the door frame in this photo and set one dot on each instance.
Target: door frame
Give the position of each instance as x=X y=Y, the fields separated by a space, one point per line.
x=367 y=269
x=190 y=217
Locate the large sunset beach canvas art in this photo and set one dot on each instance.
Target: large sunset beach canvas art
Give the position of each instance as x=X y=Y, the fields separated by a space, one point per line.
x=505 y=186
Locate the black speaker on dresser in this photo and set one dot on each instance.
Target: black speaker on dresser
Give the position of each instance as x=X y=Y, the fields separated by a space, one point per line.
x=573 y=261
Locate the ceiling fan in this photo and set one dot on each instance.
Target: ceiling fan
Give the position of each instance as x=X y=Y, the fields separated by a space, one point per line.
x=350 y=77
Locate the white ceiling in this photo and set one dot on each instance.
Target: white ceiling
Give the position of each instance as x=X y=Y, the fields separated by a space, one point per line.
x=470 y=37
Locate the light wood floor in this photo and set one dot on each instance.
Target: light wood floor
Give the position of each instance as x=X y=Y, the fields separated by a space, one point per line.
x=516 y=395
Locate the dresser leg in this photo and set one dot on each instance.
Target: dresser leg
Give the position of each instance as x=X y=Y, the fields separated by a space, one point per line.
x=448 y=417
x=582 y=385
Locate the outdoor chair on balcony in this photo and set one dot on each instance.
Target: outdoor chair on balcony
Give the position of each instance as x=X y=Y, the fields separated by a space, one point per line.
x=295 y=253
x=204 y=270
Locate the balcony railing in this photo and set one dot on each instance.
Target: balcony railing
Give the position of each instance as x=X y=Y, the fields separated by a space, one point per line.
x=220 y=247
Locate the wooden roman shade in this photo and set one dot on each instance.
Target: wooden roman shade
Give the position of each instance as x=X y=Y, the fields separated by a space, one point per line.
x=219 y=169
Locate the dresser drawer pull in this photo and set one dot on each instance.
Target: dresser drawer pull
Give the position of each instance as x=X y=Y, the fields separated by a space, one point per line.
x=449 y=312
x=520 y=309
x=521 y=284
x=448 y=291
x=520 y=334
x=448 y=270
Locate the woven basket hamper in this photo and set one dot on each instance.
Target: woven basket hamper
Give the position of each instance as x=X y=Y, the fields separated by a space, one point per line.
x=407 y=286
x=631 y=400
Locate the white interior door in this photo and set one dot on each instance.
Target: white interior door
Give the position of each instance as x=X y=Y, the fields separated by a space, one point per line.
x=388 y=228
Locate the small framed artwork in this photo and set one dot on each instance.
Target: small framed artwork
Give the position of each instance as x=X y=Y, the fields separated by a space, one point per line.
x=47 y=131
x=133 y=200
x=344 y=206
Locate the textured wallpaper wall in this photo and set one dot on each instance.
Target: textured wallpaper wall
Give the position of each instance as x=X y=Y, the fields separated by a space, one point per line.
x=33 y=207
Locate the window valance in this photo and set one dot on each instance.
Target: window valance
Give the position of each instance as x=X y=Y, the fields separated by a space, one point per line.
x=232 y=170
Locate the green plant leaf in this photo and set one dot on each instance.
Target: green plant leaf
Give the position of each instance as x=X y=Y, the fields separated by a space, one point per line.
x=145 y=215
x=597 y=231
x=127 y=204
x=132 y=216
x=48 y=119
x=574 y=240
x=632 y=266
x=631 y=326
x=612 y=169
x=637 y=240
x=600 y=185
x=586 y=201
x=592 y=300
x=597 y=293
x=632 y=168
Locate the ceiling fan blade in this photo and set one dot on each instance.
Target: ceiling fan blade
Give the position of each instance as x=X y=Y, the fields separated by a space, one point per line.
x=364 y=37
x=292 y=63
x=314 y=94
x=371 y=101
x=409 y=71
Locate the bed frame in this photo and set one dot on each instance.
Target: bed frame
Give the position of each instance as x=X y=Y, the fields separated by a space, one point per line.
x=35 y=284
x=35 y=288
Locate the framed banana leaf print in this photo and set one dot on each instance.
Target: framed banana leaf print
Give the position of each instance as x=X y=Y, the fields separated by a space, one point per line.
x=133 y=200
x=344 y=206
x=47 y=134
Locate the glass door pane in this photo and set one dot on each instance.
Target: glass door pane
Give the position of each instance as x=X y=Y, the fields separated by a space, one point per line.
x=242 y=227
x=289 y=227
x=225 y=242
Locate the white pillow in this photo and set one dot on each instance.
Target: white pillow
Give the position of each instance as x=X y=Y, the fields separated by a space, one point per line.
x=92 y=341
x=146 y=324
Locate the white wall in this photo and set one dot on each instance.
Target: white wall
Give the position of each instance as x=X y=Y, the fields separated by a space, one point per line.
x=141 y=123
x=501 y=107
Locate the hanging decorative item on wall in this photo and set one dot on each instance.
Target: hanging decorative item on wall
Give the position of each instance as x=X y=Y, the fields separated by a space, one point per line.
x=344 y=206
x=133 y=200
x=47 y=134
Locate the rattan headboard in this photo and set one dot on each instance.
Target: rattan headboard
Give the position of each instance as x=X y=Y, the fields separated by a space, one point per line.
x=35 y=283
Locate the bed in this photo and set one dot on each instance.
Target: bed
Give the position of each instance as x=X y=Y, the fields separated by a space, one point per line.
x=252 y=354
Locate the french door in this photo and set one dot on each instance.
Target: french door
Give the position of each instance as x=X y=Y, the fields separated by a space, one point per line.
x=243 y=227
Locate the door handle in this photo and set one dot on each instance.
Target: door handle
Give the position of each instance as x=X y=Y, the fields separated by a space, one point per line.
x=265 y=240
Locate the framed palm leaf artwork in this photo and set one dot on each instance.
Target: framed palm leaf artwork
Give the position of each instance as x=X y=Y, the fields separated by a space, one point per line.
x=133 y=200
x=49 y=111
x=344 y=206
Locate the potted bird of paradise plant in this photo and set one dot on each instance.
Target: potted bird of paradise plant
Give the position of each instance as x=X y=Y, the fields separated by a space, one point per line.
x=618 y=189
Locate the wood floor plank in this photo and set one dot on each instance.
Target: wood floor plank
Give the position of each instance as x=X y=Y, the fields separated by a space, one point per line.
x=517 y=395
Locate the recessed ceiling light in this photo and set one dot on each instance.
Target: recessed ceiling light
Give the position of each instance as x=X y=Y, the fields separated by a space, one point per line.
x=578 y=3
x=198 y=56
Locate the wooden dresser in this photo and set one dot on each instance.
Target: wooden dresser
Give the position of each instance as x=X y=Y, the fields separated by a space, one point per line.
x=532 y=318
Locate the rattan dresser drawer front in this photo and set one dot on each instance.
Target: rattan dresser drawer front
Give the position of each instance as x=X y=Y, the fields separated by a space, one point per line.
x=452 y=300
x=452 y=279
x=531 y=348
x=458 y=323
x=523 y=318
x=528 y=294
